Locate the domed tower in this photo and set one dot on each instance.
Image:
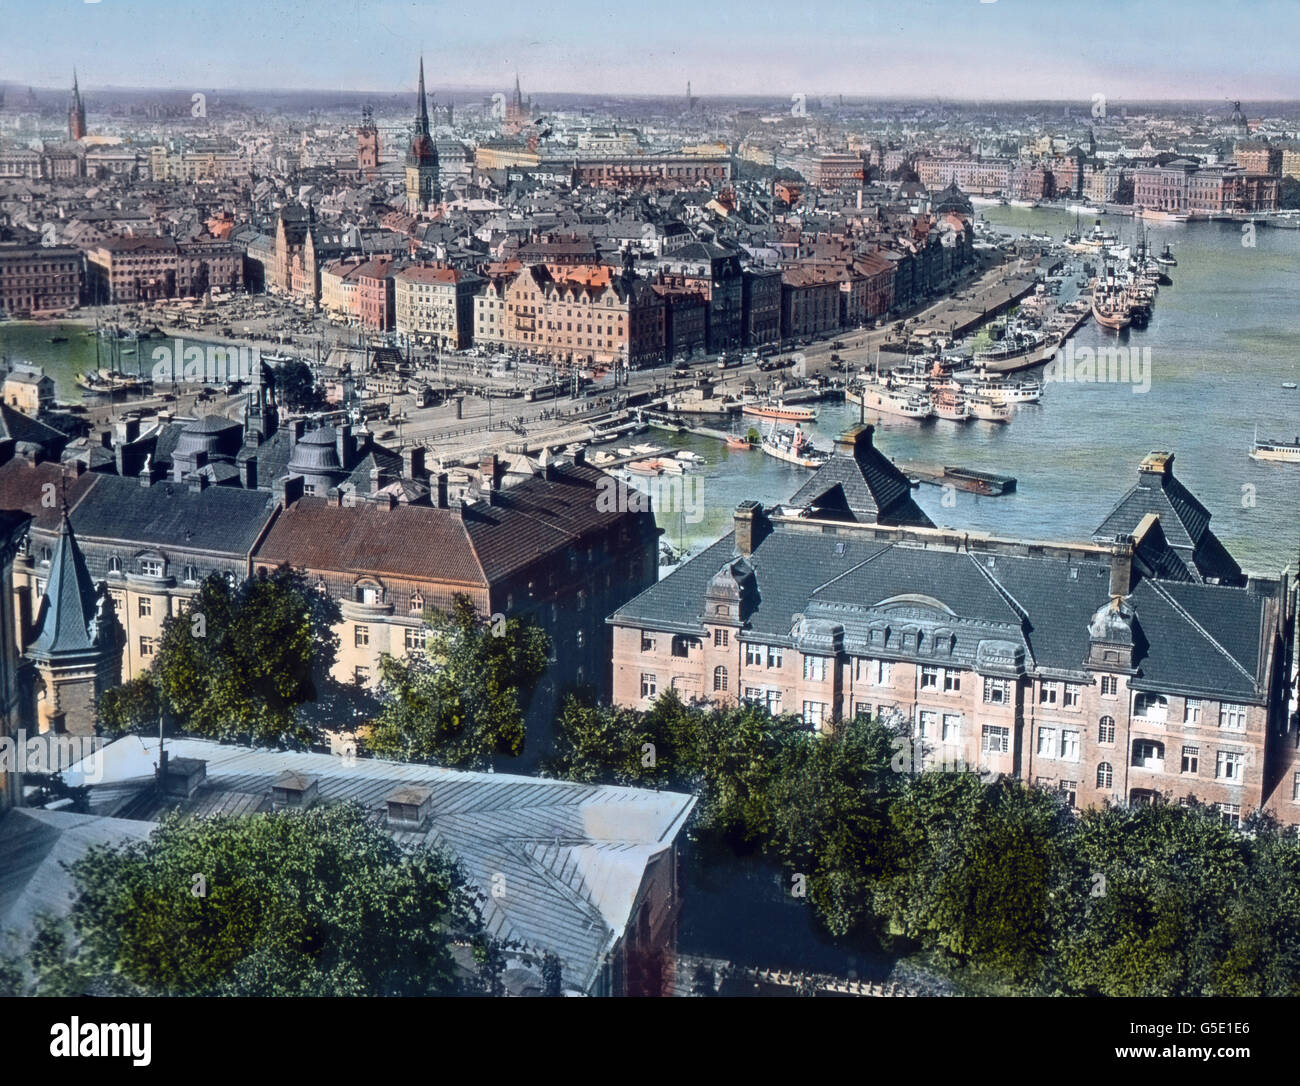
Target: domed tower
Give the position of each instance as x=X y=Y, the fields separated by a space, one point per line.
x=422 y=189
x=321 y=458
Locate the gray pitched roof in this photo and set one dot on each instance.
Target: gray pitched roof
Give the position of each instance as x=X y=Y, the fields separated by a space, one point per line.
x=221 y=519
x=1195 y=637
x=1184 y=521
x=860 y=483
x=67 y=621
x=573 y=857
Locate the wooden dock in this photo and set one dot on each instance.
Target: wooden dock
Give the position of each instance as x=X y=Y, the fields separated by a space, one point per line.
x=986 y=483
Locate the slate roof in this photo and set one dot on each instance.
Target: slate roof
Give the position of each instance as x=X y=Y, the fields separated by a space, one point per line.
x=19 y=427
x=66 y=621
x=860 y=483
x=1184 y=521
x=573 y=856
x=222 y=519
x=1195 y=637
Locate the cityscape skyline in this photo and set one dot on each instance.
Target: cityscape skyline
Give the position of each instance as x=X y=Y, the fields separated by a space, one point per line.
x=1008 y=51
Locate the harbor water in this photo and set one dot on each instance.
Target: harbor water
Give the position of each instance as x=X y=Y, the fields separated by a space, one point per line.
x=1221 y=343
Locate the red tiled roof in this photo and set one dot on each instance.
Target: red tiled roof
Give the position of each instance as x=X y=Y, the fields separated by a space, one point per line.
x=419 y=542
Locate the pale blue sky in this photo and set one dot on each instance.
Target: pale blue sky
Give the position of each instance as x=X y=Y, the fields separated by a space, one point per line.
x=1059 y=49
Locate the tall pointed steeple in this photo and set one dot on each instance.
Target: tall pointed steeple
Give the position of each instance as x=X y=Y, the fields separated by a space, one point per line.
x=77 y=653
x=422 y=117
x=76 y=112
x=68 y=619
x=422 y=189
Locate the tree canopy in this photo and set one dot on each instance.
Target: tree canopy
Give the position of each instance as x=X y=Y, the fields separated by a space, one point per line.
x=461 y=701
x=321 y=902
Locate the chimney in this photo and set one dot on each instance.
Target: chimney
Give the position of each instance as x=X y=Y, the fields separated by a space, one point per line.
x=1157 y=466
x=752 y=526
x=1121 y=566
x=580 y=455
x=293 y=490
x=179 y=778
x=198 y=482
x=347 y=447
x=488 y=472
x=440 y=490
x=297 y=427
x=248 y=473
x=413 y=463
x=855 y=441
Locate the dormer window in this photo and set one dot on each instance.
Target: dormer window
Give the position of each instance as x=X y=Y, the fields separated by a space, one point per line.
x=191 y=574
x=115 y=564
x=152 y=567
x=417 y=604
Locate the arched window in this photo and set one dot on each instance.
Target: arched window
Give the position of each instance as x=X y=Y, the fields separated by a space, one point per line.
x=1106 y=730
x=115 y=564
x=719 y=678
x=191 y=574
x=1105 y=775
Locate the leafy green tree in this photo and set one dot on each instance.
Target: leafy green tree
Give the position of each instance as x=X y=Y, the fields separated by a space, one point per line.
x=296 y=388
x=314 y=903
x=830 y=802
x=130 y=709
x=974 y=869
x=552 y=975
x=461 y=701
x=1163 y=879
x=241 y=660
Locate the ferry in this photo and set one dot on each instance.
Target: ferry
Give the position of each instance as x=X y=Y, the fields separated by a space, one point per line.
x=1085 y=209
x=793 y=446
x=1287 y=452
x=779 y=410
x=892 y=401
x=950 y=404
x=989 y=410
x=1015 y=343
x=1008 y=392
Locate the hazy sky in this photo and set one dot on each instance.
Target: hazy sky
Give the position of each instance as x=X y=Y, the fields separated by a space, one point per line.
x=1059 y=49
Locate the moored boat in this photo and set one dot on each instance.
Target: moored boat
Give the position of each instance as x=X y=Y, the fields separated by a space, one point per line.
x=793 y=446
x=779 y=410
x=891 y=401
x=989 y=410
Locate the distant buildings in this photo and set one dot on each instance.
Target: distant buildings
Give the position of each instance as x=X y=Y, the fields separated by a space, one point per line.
x=38 y=280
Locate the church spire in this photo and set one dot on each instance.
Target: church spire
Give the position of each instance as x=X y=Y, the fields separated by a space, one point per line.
x=422 y=117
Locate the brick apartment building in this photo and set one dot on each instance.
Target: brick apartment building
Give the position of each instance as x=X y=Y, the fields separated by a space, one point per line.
x=38 y=280
x=1136 y=667
x=581 y=314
